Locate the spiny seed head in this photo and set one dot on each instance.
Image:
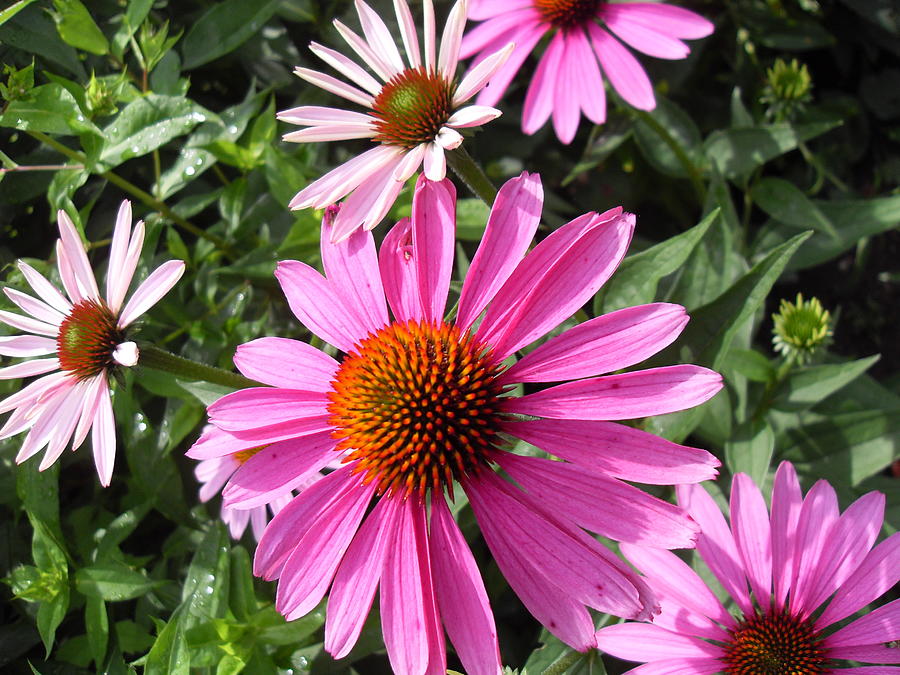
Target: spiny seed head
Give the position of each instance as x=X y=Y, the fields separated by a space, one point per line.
x=775 y=644
x=87 y=338
x=412 y=107
x=801 y=329
x=567 y=13
x=417 y=405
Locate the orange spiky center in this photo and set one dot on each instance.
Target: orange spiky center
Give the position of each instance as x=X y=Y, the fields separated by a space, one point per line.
x=776 y=643
x=417 y=406
x=242 y=456
x=567 y=13
x=87 y=338
x=412 y=107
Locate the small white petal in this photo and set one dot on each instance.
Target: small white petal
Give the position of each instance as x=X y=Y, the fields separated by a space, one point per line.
x=448 y=138
x=126 y=354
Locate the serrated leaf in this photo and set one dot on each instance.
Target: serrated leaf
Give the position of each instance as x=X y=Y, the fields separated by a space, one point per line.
x=113 y=581
x=224 y=27
x=806 y=387
x=77 y=28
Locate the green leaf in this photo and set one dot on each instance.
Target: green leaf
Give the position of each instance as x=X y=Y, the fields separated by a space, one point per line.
x=205 y=591
x=96 y=622
x=132 y=637
x=242 y=598
x=667 y=136
x=806 y=387
x=50 y=109
x=635 y=282
x=751 y=364
x=471 y=219
x=50 y=614
x=148 y=123
x=750 y=449
x=133 y=17
x=77 y=28
x=205 y=392
x=113 y=581
x=224 y=27
x=29 y=31
x=784 y=202
x=13 y=9
x=39 y=492
x=170 y=654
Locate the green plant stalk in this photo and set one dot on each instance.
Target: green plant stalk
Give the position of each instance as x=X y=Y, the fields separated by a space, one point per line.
x=153 y=357
x=472 y=175
x=768 y=397
x=135 y=191
x=694 y=174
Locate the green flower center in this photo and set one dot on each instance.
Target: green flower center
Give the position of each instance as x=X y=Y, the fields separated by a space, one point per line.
x=87 y=338
x=412 y=107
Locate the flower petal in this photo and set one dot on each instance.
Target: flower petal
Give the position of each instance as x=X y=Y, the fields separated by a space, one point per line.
x=818 y=515
x=786 y=502
x=398 y=272
x=346 y=67
x=623 y=71
x=379 y=37
x=265 y=406
x=370 y=202
x=668 y=19
x=478 y=77
x=45 y=290
x=752 y=536
x=76 y=257
x=880 y=625
x=448 y=57
x=118 y=278
x=151 y=291
x=29 y=368
x=37 y=308
x=282 y=362
x=539 y=99
x=335 y=86
x=103 y=436
x=646 y=642
x=433 y=240
x=26 y=345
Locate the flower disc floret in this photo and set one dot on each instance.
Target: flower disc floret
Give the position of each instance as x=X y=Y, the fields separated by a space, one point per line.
x=776 y=643
x=87 y=339
x=417 y=405
x=567 y=13
x=412 y=107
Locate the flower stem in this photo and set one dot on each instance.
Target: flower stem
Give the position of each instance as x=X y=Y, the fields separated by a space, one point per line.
x=694 y=174
x=472 y=175
x=153 y=357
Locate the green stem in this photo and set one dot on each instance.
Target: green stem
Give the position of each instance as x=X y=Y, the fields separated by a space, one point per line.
x=693 y=172
x=768 y=397
x=136 y=192
x=472 y=175
x=563 y=664
x=153 y=357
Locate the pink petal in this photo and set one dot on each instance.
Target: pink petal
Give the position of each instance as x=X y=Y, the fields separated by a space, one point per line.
x=752 y=536
x=539 y=100
x=351 y=266
x=37 y=308
x=472 y=116
x=433 y=240
x=213 y=474
x=294 y=520
x=264 y=406
x=590 y=89
x=525 y=40
x=818 y=516
x=477 y=78
x=448 y=56
x=461 y=595
x=566 y=111
x=45 y=418
x=263 y=435
x=29 y=368
x=117 y=277
x=645 y=38
x=646 y=642
x=357 y=578
x=668 y=19
x=103 y=436
x=370 y=202
x=601 y=345
x=877 y=574
x=277 y=469
x=33 y=392
x=347 y=68
x=26 y=345
x=314 y=301
x=679 y=667
x=410 y=163
x=76 y=257
x=151 y=291
x=600 y=504
x=316 y=116
x=408 y=33
x=28 y=324
x=345 y=178
x=428 y=33
x=879 y=625
x=554 y=280
x=67 y=274
x=486 y=9
x=879 y=653
x=128 y=266
x=786 y=502
x=214 y=442
x=398 y=272
x=617 y=450
x=499 y=27
x=281 y=362
x=378 y=36
x=434 y=163
x=656 y=391
x=623 y=71
x=64 y=420
x=409 y=620
x=344 y=132
x=871 y=670
x=371 y=57
x=308 y=571
x=510 y=228
x=335 y=86
x=45 y=290
x=716 y=544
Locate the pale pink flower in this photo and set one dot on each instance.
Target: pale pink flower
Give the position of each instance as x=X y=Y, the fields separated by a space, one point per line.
x=587 y=37
x=423 y=405
x=86 y=335
x=413 y=112
x=779 y=566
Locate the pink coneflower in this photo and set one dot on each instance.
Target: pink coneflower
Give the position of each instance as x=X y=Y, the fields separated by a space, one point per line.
x=412 y=115
x=779 y=570
x=586 y=37
x=422 y=407
x=86 y=334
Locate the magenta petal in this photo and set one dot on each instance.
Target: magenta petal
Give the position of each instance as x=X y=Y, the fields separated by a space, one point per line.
x=877 y=653
x=555 y=279
x=818 y=515
x=277 y=469
x=679 y=667
x=566 y=109
x=281 y=362
x=288 y=527
x=398 y=272
x=643 y=393
x=539 y=97
x=752 y=536
x=879 y=625
x=351 y=266
x=461 y=595
x=646 y=642
x=601 y=504
x=433 y=233
x=877 y=574
x=357 y=578
x=265 y=406
x=786 y=502
x=590 y=89
x=525 y=40
x=623 y=71
x=602 y=345
x=645 y=38
x=716 y=544
x=514 y=219
x=310 y=568
x=617 y=450
x=667 y=19
x=409 y=620
x=315 y=303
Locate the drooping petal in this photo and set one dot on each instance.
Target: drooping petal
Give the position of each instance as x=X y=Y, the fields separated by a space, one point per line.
x=590 y=90
x=667 y=19
x=103 y=436
x=342 y=180
x=399 y=273
x=786 y=502
x=45 y=290
x=539 y=99
x=752 y=536
x=151 y=291
x=623 y=71
x=644 y=38
x=433 y=232
x=646 y=642
x=880 y=625
x=566 y=109
x=282 y=362
x=63 y=424
x=370 y=202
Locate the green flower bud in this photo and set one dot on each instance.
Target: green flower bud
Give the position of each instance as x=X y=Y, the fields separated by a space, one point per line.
x=801 y=329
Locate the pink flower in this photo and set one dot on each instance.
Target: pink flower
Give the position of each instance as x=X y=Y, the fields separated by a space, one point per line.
x=568 y=78
x=86 y=334
x=413 y=113
x=793 y=560
x=423 y=405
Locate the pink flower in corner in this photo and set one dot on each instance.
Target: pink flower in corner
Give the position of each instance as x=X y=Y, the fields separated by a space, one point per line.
x=585 y=44
x=412 y=116
x=780 y=566
x=86 y=334
x=422 y=408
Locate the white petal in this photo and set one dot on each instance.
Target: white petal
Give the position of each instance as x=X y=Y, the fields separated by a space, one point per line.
x=151 y=291
x=47 y=291
x=435 y=162
x=475 y=80
x=126 y=354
